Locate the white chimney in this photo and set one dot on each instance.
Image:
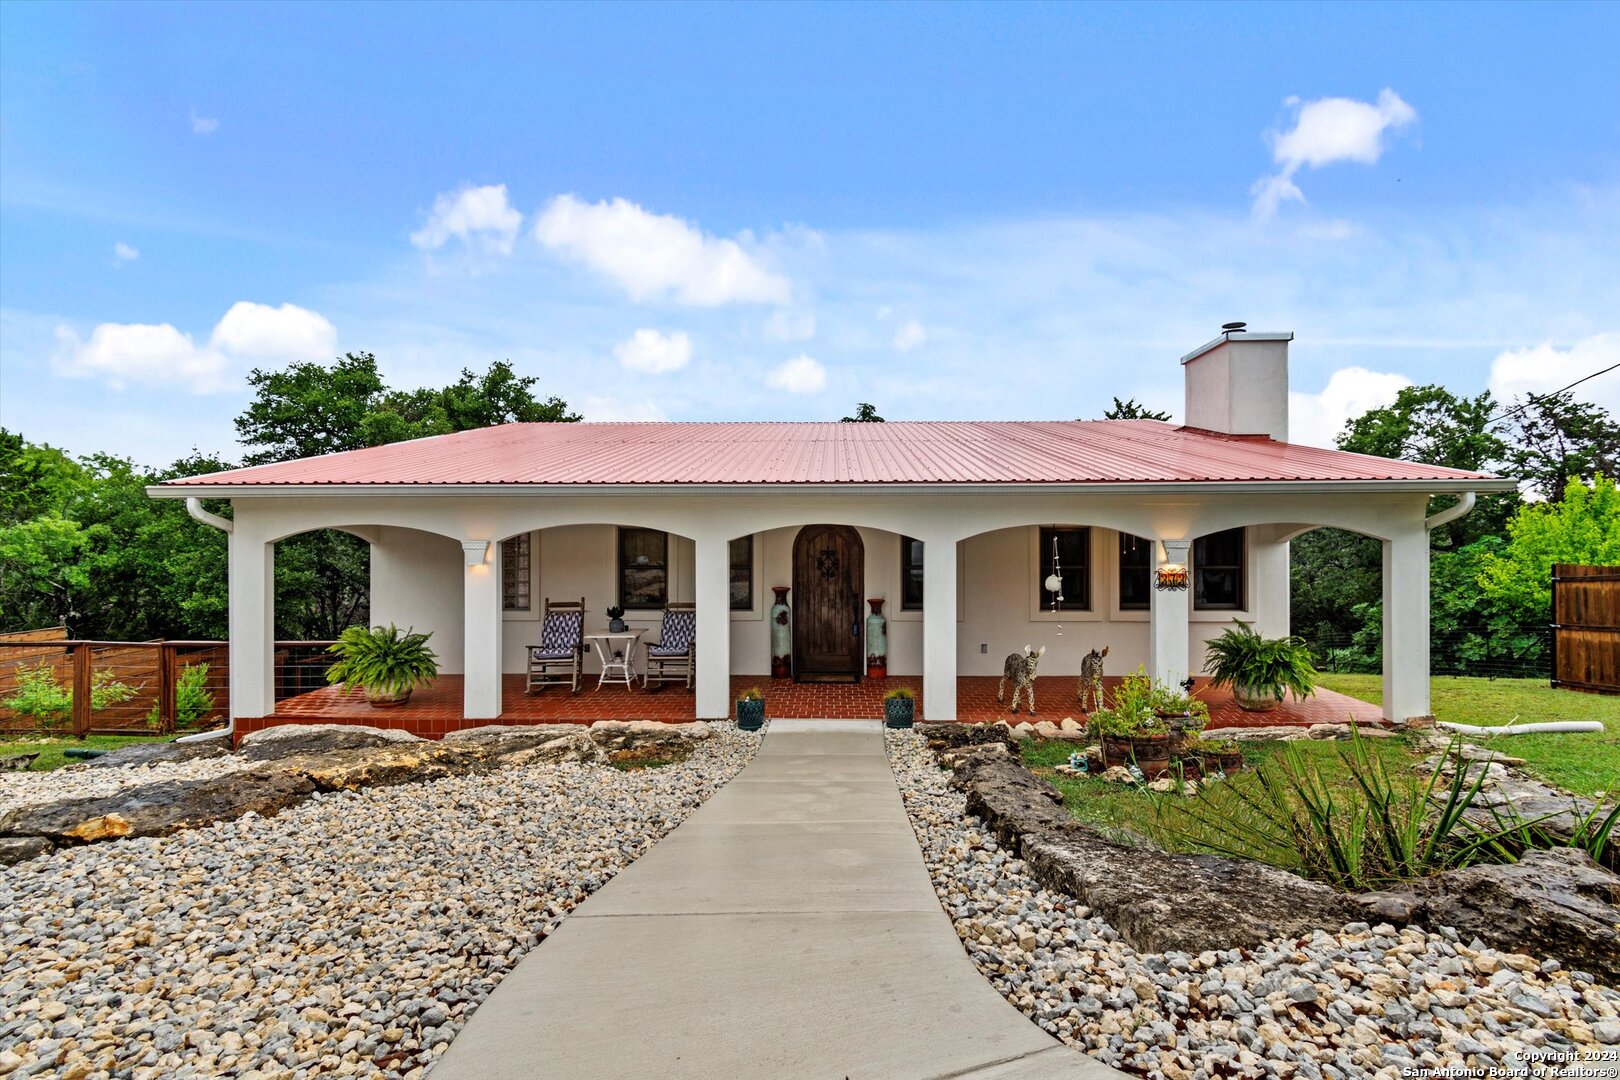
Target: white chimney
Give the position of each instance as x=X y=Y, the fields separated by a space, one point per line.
x=1238 y=383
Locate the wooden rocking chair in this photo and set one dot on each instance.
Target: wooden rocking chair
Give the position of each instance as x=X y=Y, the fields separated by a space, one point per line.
x=673 y=657
x=560 y=656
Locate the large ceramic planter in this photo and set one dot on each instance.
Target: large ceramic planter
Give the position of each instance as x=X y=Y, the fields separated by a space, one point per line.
x=751 y=714
x=383 y=699
x=781 y=635
x=877 y=642
x=1250 y=699
x=899 y=712
x=1151 y=754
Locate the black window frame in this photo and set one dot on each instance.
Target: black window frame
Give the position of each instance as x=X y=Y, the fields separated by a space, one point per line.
x=913 y=554
x=746 y=566
x=1202 y=565
x=1132 y=546
x=517 y=569
x=663 y=602
x=1081 y=573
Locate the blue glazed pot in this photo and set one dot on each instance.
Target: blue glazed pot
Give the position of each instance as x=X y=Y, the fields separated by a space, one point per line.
x=899 y=712
x=751 y=714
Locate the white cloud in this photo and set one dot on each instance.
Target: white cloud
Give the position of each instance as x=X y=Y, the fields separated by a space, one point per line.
x=909 y=336
x=1545 y=368
x=790 y=326
x=607 y=408
x=123 y=253
x=801 y=375
x=655 y=353
x=203 y=125
x=1316 y=419
x=124 y=353
x=655 y=256
x=477 y=216
x=1325 y=131
x=288 y=332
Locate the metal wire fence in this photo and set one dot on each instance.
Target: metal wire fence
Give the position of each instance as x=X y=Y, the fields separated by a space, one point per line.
x=1501 y=652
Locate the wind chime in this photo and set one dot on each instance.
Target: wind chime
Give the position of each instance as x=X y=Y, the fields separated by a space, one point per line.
x=1054 y=581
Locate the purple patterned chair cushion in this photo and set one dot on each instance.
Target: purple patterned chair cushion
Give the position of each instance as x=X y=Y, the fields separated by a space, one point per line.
x=675 y=639
x=559 y=636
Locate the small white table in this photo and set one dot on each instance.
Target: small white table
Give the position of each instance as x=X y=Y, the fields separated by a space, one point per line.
x=617 y=651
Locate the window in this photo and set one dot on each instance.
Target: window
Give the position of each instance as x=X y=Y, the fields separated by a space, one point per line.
x=1074 y=555
x=1135 y=573
x=1218 y=571
x=643 y=569
x=742 y=574
x=911 y=574
x=515 y=577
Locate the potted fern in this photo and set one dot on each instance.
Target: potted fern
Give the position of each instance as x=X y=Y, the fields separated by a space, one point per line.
x=751 y=709
x=1259 y=669
x=386 y=662
x=899 y=707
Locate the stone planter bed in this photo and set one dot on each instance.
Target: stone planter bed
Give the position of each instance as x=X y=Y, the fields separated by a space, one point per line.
x=1346 y=1000
x=350 y=934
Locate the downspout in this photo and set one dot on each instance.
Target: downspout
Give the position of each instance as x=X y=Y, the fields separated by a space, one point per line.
x=1444 y=517
x=194 y=507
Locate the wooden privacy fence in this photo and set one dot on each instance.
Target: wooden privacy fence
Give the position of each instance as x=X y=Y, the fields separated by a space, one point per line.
x=133 y=687
x=1586 y=628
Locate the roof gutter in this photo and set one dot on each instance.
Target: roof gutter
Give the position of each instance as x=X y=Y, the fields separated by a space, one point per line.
x=194 y=507
x=1445 y=517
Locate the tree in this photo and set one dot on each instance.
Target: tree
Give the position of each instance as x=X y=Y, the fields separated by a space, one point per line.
x=865 y=413
x=309 y=409
x=1555 y=438
x=1129 y=409
x=1582 y=527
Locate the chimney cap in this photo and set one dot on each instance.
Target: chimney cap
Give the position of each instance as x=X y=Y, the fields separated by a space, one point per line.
x=1234 y=327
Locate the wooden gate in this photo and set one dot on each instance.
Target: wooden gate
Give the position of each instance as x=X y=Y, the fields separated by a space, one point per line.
x=1586 y=628
x=827 y=574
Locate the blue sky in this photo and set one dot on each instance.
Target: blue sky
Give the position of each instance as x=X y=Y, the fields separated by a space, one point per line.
x=772 y=212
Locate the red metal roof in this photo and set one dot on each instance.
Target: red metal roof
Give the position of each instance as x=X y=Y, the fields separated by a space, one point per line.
x=906 y=452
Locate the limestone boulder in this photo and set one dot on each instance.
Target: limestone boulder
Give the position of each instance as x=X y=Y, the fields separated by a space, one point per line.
x=1556 y=903
x=574 y=746
x=951 y=736
x=636 y=734
x=289 y=740
x=387 y=765
x=16 y=849
x=159 y=809
x=160 y=753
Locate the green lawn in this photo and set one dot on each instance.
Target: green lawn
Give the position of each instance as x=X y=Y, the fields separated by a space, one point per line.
x=1585 y=764
x=51 y=749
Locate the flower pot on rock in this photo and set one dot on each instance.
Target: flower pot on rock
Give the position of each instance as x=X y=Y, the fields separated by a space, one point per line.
x=386 y=662
x=751 y=711
x=899 y=708
x=1259 y=669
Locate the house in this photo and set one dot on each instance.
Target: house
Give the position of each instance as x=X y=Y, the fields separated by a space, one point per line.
x=956 y=525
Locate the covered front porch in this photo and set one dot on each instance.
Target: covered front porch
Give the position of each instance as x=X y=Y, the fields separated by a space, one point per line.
x=436 y=710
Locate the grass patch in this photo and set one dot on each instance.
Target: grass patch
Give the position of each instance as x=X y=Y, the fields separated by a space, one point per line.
x=1121 y=808
x=52 y=750
x=1584 y=764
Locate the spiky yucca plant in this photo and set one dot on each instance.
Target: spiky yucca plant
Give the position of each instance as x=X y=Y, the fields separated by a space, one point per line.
x=386 y=662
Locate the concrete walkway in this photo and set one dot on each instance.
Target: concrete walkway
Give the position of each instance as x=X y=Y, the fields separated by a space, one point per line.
x=788 y=928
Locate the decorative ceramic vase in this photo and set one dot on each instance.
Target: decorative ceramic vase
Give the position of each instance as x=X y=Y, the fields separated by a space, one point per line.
x=877 y=642
x=617 y=625
x=781 y=635
x=1251 y=699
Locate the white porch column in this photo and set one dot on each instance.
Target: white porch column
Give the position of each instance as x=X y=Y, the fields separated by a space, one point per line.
x=1169 y=649
x=1406 y=625
x=939 y=628
x=252 y=624
x=481 y=631
x=712 y=592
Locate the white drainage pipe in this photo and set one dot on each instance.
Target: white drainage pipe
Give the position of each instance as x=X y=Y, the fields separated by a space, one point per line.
x=194 y=507
x=1524 y=729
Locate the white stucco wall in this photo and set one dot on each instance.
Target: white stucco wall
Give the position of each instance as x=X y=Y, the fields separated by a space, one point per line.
x=417 y=582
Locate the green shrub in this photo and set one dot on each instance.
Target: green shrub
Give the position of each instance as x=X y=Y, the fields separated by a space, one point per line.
x=193 y=701
x=1240 y=657
x=43 y=698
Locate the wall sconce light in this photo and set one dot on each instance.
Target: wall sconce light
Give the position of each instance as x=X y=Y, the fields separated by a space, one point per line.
x=475 y=551
x=1171 y=577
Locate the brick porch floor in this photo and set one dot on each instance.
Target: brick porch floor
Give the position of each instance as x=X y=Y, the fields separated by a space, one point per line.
x=436 y=710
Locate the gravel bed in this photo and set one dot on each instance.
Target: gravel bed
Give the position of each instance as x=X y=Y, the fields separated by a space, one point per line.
x=1364 y=1002
x=73 y=781
x=349 y=936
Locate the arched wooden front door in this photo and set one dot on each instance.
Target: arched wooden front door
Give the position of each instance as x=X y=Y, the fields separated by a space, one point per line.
x=828 y=569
